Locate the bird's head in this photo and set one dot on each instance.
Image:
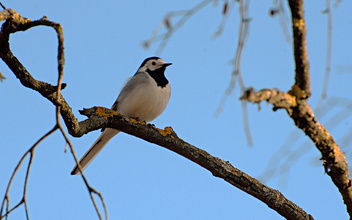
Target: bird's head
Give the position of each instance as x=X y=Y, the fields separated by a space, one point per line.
x=152 y=64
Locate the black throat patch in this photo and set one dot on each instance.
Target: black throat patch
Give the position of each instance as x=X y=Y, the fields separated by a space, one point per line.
x=159 y=76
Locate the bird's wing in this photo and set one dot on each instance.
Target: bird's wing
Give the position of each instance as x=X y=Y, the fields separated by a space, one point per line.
x=94 y=150
x=139 y=79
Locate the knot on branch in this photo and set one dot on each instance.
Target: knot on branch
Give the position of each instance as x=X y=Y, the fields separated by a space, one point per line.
x=299 y=93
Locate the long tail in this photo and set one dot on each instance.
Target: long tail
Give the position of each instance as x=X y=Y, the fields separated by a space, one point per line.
x=94 y=150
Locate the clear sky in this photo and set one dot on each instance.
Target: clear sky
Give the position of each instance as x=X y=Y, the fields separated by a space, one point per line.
x=139 y=180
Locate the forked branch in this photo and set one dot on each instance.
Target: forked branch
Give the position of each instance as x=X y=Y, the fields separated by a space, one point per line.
x=295 y=103
x=15 y=22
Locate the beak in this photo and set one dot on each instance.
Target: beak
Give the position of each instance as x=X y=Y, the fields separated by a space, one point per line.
x=167 y=64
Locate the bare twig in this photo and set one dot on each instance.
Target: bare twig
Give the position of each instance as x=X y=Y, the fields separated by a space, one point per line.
x=337 y=3
x=278 y=9
x=6 y=200
x=273 y=165
x=324 y=91
x=236 y=74
x=3 y=7
x=171 y=29
x=227 y=8
x=282 y=160
x=61 y=62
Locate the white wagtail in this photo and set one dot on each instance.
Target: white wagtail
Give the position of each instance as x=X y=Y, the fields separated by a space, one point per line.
x=144 y=96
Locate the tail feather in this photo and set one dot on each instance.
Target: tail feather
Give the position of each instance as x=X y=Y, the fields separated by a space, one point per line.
x=94 y=150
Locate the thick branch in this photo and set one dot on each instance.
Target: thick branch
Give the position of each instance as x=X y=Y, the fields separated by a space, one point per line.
x=335 y=163
x=302 y=75
x=100 y=117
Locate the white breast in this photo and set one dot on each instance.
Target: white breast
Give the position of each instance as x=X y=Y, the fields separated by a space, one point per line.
x=145 y=100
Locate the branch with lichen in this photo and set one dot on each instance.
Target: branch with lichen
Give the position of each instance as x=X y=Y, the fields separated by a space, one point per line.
x=334 y=161
x=295 y=103
x=99 y=117
x=102 y=117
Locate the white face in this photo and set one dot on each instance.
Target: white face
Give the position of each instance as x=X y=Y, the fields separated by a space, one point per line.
x=152 y=64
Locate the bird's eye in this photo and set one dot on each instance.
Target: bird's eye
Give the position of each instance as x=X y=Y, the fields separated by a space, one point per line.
x=153 y=63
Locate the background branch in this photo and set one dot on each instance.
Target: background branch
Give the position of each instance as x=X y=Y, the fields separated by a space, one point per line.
x=294 y=102
x=334 y=160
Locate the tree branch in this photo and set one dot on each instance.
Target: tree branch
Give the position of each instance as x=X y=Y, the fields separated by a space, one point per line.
x=102 y=117
x=167 y=138
x=334 y=161
x=6 y=199
x=14 y=23
x=302 y=77
x=295 y=103
x=18 y=23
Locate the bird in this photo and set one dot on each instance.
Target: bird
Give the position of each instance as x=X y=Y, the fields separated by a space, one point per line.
x=144 y=96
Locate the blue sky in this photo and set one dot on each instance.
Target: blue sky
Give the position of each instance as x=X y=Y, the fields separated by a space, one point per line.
x=139 y=180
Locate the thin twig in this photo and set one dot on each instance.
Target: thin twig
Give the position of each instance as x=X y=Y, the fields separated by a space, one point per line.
x=58 y=100
x=7 y=197
x=91 y=190
x=324 y=90
x=281 y=161
x=278 y=9
x=61 y=63
x=236 y=74
x=227 y=8
x=3 y=6
x=171 y=29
